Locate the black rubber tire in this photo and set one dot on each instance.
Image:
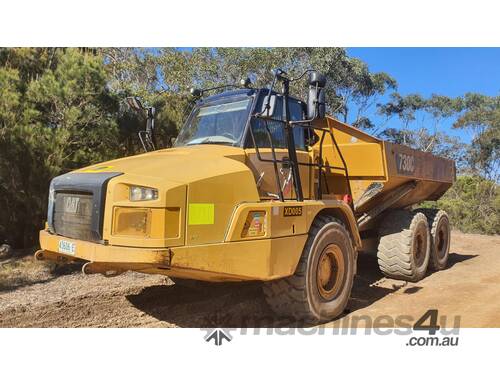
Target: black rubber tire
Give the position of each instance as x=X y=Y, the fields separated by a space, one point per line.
x=439 y=224
x=404 y=247
x=297 y=296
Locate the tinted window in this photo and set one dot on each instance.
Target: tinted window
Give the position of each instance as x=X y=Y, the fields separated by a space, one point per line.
x=220 y=122
x=276 y=128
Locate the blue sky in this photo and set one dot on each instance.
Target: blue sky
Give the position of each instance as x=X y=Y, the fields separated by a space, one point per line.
x=445 y=71
x=426 y=71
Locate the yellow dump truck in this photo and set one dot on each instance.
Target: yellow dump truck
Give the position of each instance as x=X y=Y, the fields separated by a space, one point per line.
x=258 y=186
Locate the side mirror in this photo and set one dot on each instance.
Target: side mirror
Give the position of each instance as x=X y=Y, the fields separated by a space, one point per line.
x=268 y=112
x=147 y=137
x=245 y=82
x=316 y=106
x=197 y=93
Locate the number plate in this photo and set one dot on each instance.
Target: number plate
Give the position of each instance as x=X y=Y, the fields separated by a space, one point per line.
x=67 y=247
x=292 y=211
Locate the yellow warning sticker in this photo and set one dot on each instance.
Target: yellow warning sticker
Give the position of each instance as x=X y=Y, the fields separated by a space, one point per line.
x=201 y=213
x=105 y=168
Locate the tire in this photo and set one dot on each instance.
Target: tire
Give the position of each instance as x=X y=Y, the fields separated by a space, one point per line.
x=319 y=289
x=404 y=248
x=439 y=224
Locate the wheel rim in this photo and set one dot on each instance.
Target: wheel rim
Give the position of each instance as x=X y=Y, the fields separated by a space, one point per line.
x=419 y=246
x=330 y=272
x=442 y=241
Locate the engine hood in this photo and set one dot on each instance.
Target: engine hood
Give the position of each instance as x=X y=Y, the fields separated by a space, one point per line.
x=181 y=165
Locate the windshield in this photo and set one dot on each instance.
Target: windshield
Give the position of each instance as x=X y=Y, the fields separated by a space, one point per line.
x=217 y=123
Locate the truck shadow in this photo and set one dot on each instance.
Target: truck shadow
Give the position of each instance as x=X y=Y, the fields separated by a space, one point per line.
x=234 y=305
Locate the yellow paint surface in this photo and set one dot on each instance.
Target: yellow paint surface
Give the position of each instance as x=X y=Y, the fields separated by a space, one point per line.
x=201 y=214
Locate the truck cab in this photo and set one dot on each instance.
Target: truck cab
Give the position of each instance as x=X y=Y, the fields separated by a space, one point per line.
x=229 y=119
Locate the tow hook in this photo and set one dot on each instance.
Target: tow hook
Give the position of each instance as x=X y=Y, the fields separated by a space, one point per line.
x=44 y=255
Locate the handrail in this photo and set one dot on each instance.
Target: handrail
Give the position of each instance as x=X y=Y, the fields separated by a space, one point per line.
x=320 y=165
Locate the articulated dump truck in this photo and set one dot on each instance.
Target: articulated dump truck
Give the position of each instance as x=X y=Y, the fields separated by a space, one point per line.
x=258 y=186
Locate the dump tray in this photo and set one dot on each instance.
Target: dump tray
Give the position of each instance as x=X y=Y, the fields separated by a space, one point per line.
x=381 y=173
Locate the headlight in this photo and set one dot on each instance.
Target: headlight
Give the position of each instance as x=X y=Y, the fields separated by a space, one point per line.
x=129 y=221
x=139 y=193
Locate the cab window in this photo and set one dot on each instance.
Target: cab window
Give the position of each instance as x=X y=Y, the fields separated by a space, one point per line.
x=276 y=128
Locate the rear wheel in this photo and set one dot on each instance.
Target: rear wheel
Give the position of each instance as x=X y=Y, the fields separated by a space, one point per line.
x=439 y=225
x=319 y=289
x=404 y=247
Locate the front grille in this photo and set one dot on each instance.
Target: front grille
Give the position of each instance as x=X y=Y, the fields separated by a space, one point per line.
x=76 y=205
x=73 y=215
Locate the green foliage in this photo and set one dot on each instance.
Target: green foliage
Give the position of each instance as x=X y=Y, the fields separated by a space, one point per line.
x=475 y=112
x=473 y=204
x=51 y=121
x=481 y=114
x=349 y=82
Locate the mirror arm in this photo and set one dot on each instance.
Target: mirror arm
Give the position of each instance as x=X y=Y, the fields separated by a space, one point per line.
x=268 y=99
x=150 y=126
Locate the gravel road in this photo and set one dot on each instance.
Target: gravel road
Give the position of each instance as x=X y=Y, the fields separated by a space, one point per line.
x=469 y=288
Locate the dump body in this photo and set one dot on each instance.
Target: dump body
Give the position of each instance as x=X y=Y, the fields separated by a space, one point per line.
x=379 y=171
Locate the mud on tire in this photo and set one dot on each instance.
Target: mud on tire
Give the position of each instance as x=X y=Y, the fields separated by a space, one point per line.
x=404 y=247
x=319 y=289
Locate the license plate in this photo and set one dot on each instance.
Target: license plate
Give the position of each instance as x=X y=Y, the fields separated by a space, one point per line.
x=67 y=247
x=71 y=204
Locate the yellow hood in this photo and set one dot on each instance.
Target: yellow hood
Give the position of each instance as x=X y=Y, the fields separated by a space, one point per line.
x=182 y=164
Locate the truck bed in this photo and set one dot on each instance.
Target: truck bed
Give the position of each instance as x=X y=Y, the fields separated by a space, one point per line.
x=379 y=170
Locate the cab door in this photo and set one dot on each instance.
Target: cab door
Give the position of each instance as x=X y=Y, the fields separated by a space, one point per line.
x=264 y=173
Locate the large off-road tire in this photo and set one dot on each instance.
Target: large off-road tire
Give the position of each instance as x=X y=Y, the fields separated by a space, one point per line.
x=404 y=247
x=319 y=289
x=439 y=224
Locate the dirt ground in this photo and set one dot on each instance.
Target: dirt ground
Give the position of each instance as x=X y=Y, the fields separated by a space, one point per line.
x=469 y=289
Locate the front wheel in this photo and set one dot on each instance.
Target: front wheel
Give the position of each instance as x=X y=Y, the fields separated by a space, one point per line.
x=319 y=289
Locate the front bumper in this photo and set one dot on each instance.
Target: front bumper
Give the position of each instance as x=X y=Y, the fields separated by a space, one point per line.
x=264 y=259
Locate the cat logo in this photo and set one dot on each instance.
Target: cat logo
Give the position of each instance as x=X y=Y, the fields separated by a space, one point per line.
x=292 y=211
x=71 y=204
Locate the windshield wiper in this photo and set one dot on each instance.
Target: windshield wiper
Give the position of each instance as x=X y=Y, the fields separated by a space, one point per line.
x=209 y=142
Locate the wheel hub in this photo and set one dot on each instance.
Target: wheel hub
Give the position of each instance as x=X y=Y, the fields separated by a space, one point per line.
x=419 y=246
x=330 y=272
x=442 y=242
